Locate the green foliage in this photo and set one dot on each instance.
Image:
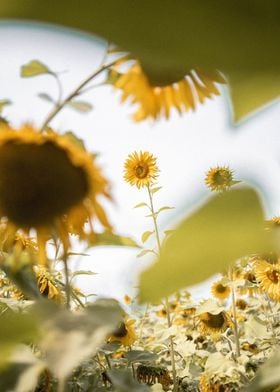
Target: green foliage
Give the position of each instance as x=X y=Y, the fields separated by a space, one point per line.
x=239 y=38
x=146 y=235
x=227 y=227
x=140 y=356
x=123 y=381
x=80 y=106
x=34 y=68
x=108 y=238
x=4 y=103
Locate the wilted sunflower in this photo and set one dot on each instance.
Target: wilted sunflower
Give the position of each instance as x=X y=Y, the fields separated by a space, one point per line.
x=219 y=178
x=268 y=276
x=48 y=183
x=213 y=324
x=250 y=288
x=220 y=290
x=241 y=304
x=157 y=94
x=140 y=169
x=47 y=285
x=125 y=333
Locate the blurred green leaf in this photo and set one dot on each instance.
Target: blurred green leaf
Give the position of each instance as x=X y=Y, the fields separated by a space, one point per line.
x=46 y=97
x=82 y=272
x=34 y=68
x=146 y=235
x=155 y=190
x=228 y=226
x=140 y=356
x=268 y=376
x=108 y=238
x=145 y=252
x=80 y=106
x=3 y=103
x=123 y=381
x=239 y=38
x=141 y=205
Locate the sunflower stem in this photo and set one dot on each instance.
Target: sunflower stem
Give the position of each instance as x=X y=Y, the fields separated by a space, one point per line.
x=77 y=91
x=235 y=324
x=167 y=305
x=67 y=283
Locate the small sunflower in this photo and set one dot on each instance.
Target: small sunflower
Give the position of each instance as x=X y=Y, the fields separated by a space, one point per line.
x=220 y=290
x=140 y=169
x=47 y=285
x=219 y=178
x=125 y=333
x=213 y=324
x=157 y=95
x=50 y=184
x=250 y=288
x=268 y=276
x=241 y=304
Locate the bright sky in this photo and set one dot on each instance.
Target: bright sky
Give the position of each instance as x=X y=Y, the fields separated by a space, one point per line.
x=185 y=146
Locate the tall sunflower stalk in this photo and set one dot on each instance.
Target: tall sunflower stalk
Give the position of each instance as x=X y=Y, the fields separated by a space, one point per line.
x=140 y=169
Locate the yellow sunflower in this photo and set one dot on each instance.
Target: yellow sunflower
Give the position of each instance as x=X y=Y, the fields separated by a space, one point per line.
x=125 y=333
x=50 y=184
x=268 y=276
x=213 y=324
x=220 y=290
x=47 y=285
x=140 y=169
x=157 y=95
x=219 y=178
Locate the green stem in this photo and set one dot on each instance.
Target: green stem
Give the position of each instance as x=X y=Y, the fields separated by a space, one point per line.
x=77 y=91
x=67 y=283
x=167 y=307
x=235 y=324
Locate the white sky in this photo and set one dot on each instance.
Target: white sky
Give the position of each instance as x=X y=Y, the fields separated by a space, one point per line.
x=185 y=146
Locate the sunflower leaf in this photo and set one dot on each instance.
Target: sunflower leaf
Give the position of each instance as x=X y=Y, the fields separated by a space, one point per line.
x=34 y=68
x=154 y=190
x=228 y=226
x=80 y=106
x=4 y=103
x=108 y=238
x=141 y=205
x=46 y=97
x=145 y=252
x=146 y=235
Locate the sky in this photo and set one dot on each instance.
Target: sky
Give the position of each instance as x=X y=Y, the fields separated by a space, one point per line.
x=185 y=147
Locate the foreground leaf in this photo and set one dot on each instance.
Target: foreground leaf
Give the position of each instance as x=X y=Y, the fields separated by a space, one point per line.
x=108 y=238
x=229 y=226
x=231 y=36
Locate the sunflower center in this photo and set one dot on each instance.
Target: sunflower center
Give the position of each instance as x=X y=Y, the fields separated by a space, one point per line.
x=141 y=171
x=273 y=276
x=162 y=78
x=38 y=183
x=220 y=288
x=222 y=177
x=121 y=331
x=215 y=320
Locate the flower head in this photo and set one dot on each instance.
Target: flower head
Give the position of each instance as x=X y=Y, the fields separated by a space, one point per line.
x=140 y=169
x=268 y=276
x=220 y=290
x=213 y=324
x=156 y=95
x=124 y=333
x=48 y=183
x=219 y=178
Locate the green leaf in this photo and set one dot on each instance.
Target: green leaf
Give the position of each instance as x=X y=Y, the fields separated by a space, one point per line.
x=141 y=205
x=3 y=103
x=80 y=106
x=146 y=235
x=46 y=97
x=81 y=272
x=124 y=382
x=34 y=68
x=159 y=211
x=145 y=252
x=225 y=35
x=140 y=356
x=108 y=238
x=228 y=226
x=154 y=190
x=268 y=376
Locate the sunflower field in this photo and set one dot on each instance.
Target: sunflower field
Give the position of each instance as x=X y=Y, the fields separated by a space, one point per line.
x=162 y=59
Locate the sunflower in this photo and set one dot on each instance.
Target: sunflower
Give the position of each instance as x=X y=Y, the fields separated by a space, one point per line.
x=50 y=184
x=125 y=333
x=219 y=178
x=241 y=304
x=47 y=285
x=157 y=95
x=268 y=276
x=140 y=169
x=219 y=290
x=250 y=288
x=213 y=324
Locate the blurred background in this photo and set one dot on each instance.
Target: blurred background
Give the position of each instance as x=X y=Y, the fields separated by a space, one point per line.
x=186 y=147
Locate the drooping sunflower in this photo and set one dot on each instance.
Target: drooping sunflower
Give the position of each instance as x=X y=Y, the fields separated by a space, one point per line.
x=50 y=184
x=47 y=285
x=125 y=333
x=219 y=178
x=156 y=95
x=250 y=287
x=213 y=324
x=268 y=276
x=140 y=169
x=220 y=290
